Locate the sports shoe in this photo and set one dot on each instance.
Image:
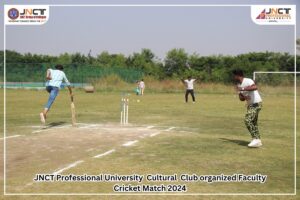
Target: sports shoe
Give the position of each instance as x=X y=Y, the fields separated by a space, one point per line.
x=42 y=118
x=255 y=143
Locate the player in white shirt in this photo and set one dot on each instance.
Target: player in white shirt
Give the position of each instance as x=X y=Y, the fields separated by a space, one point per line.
x=142 y=87
x=189 y=84
x=55 y=78
x=248 y=91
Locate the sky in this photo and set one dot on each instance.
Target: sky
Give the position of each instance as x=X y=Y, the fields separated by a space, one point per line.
x=202 y=30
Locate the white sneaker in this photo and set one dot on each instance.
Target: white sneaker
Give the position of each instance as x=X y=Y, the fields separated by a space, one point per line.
x=42 y=118
x=255 y=143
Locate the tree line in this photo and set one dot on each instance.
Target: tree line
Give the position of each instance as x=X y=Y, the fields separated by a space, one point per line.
x=177 y=63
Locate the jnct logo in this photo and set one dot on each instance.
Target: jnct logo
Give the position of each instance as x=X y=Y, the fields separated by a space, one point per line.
x=13 y=13
x=29 y=12
x=26 y=14
x=275 y=13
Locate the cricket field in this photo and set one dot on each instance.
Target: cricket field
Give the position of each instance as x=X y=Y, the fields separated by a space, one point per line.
x=164 y=136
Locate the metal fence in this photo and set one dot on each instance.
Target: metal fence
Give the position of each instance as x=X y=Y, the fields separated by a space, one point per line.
x=32 y=75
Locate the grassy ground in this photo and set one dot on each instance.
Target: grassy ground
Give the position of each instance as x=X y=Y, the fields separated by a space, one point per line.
x=209 y=138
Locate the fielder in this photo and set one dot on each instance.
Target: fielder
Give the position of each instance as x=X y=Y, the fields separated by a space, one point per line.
x=248 y=91
x=137 y=89
x=142 y=87
x=189 y=83
x=55 y=78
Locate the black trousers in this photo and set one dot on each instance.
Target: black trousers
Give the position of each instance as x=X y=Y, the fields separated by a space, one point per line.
x=187 y=95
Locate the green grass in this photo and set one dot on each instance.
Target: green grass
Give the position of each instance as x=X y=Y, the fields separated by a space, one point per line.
x=113 y=83
x=209 y=138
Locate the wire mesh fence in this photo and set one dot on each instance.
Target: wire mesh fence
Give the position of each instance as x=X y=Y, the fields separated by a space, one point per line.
x=33 y=74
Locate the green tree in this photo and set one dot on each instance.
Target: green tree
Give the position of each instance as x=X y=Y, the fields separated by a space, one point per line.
x=64 y=59
x=78 y=58
x=176 y=62
x=145 y=60
x=104 y=59
x=118 y=60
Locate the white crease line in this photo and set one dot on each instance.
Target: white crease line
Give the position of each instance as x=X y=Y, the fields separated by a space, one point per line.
x=65 y=126
x=169 y=129
x=154 y=134
x=68 y=167
x=82 y=123
x=127 y=144
x=104 y=154
x=28 y=184
x=48 y=128
x=34 y=126
x=90 y=126
x=91 y=149
x=149 y=127
x=13 y=136
x=86 y=123
x=94 y=128
x=38 y=131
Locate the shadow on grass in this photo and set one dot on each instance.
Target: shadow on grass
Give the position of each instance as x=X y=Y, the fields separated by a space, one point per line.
x=238 y=142
x=54 y=124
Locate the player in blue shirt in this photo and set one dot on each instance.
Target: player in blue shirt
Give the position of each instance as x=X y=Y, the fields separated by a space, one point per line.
x=55 y=78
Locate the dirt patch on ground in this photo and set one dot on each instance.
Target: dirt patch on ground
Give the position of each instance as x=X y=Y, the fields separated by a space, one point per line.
x=48 y=149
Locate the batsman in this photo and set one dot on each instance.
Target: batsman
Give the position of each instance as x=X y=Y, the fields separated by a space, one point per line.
x=54 y=77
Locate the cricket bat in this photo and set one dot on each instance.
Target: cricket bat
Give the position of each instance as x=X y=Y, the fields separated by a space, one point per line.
x=73 y=111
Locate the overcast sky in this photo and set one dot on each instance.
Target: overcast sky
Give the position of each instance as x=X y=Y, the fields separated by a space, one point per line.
x=205 y=30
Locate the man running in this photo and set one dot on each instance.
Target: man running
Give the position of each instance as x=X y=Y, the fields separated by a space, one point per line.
x=189 y=83
x=248 y=91
x=55 y=78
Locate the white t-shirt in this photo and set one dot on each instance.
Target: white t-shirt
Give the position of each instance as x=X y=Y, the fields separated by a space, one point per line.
x=189 y=84
x=57 y=77
x=253 y=96
x=142 y=84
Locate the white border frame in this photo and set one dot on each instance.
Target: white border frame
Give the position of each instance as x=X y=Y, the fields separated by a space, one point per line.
x=152 y=194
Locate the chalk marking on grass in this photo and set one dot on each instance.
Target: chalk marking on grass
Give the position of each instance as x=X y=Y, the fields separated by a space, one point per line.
x=59 y=171
x=44 y=128
x=90 y=126
x=105 y=153
x=82 y=124
x=64 y=126
x=38 y=131
x=13 y=136
x=169 y=129
x=47 y=128
x=155 y=134
x=29 y=184
x=127 y=144
x=68 y=167
x=34 y=126
x=88 y=150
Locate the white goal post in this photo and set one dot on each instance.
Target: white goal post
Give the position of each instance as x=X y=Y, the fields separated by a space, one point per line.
x=275 y=72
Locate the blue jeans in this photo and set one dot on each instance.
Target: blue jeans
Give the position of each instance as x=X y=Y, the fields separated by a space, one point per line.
x=53 y=91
